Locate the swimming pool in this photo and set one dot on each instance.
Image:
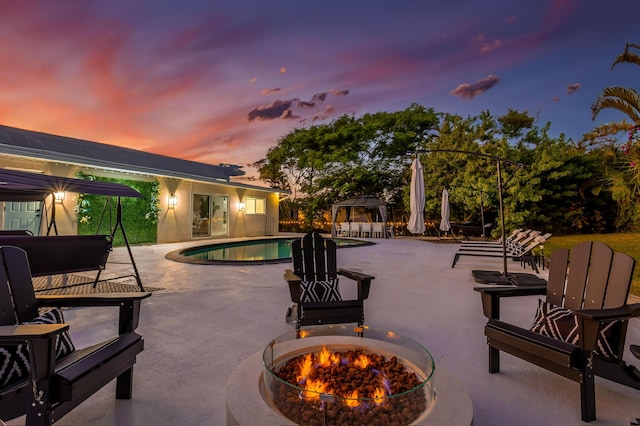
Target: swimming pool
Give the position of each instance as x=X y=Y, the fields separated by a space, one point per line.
x=265 y=250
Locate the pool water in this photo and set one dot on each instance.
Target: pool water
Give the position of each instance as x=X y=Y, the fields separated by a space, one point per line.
x=272 y=250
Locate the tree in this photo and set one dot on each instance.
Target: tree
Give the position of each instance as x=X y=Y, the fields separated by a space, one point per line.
x=371 y=155
x=545 y=194
x=624 y=99
x=347 y=157
x=622 y=171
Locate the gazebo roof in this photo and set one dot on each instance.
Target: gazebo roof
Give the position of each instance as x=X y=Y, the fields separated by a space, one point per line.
x=361 y=201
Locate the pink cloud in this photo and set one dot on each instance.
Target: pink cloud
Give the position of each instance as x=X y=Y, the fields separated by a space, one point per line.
x=571 y=89
x=469 y=91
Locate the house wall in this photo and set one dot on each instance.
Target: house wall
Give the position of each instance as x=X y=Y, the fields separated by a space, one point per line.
x=174 y=224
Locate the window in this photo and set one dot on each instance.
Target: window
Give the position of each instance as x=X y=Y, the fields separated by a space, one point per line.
x=255 y=205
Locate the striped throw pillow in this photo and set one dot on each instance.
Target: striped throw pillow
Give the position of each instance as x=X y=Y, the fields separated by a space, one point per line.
x=14 y=360
x=320 y=291
x=562 y=324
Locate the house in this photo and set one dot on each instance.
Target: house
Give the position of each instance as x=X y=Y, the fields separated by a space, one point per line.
x=197 y=200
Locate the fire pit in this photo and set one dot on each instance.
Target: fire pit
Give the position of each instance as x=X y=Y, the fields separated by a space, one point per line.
x=331 y=375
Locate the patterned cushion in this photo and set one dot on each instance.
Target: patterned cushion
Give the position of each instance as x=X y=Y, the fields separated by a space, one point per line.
x=561 y=323
x=14 y=360
x=320 y=291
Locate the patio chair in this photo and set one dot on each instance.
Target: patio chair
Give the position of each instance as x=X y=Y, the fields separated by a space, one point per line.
x=514 y=246
x=524 y=255
x=313 y=285
x=344 y=229
x=365 y=229
x=516 y=234
x=377 y=230
x=42 y=375
x=518 y=251
x=579 y=329
x=354 y=229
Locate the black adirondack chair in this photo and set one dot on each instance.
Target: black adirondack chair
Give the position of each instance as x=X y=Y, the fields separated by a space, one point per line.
x=592 y=283
x=55 y=385
x=313 y=285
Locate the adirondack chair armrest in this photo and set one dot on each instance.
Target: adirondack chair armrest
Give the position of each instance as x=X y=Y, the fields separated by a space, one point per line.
x=491 y=296
x=290 y=276
x=17 y=334
x=612 y=314
x=589 y=322
x=129 y=304
x=363 y=280
x=86 y=300
x=294 y=285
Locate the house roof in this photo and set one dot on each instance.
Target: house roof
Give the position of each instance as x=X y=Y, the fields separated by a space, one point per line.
x=61 y=148
x=45 y=146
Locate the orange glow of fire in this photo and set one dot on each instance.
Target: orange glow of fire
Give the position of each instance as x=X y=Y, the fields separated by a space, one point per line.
x=362 y=361
x=313 y=389
x=351 y=400
x=306 y=368
x=378 y=395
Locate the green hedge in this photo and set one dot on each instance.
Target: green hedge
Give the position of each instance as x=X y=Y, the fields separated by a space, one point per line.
x=139 y=215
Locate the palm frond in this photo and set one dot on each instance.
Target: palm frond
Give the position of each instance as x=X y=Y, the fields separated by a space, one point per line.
x=623 y=99
x=628 y=58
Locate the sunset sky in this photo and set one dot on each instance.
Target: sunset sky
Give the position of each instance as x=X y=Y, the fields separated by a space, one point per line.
x=221 y=81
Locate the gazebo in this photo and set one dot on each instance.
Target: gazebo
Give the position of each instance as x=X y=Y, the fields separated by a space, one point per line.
x=361 y=201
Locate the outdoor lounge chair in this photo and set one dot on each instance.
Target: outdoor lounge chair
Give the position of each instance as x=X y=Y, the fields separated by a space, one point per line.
x=510 y=237
x=580 y=328
x=514 y=244
x=523 y=255
x=42 y=374
x=515 y=250
x=516 y=235
x=313 y=285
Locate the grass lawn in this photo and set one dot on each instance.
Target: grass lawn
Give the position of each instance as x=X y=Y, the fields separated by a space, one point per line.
x=628 y=243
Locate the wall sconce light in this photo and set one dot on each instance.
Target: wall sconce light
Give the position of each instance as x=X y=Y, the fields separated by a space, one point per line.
x=241 y=206
x=59 y=196
x=173 y=201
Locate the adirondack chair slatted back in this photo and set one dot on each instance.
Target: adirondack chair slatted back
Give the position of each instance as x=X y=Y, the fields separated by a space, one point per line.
x=17 y=280
x=595 y=278
x=7 y=315
x=314 y=258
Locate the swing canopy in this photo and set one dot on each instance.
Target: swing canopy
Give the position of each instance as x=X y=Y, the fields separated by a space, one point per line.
x=17 y=185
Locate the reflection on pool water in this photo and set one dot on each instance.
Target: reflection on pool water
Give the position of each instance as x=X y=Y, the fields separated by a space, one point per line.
x=272 y=250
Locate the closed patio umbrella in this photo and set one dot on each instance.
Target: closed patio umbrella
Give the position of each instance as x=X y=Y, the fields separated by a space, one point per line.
x=445 y=225
x=416 y=199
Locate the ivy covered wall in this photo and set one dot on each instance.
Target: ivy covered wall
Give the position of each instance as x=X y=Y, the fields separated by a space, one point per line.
x=96 y=214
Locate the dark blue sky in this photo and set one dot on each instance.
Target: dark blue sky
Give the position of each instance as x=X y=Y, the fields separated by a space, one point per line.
x=222 y=81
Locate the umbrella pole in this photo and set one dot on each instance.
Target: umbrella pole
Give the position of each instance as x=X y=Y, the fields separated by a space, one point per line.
x=484 y=235
x=504 y=243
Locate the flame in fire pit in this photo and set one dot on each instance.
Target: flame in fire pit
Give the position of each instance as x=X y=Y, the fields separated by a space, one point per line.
x=305 y=367
x=362 y=361
x=313 y=389
x=352 y=399
x=314 y=371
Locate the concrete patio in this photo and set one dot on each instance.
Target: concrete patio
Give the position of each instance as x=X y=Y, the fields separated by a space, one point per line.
x=208 y=318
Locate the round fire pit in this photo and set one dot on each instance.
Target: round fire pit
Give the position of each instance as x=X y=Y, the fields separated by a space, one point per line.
x=333 y=375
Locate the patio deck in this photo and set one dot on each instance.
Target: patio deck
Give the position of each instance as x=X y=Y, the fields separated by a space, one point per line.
x=208 y=318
